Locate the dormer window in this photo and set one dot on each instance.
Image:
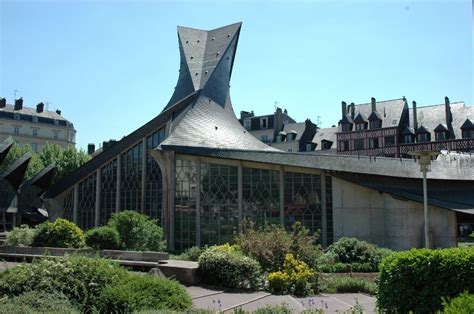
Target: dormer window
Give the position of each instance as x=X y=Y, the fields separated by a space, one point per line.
x=291 y=136
x=467 y=129
x=309 y=147
x=375 y=121
x=346 y=127
x=325 y=144
x=422 y=135
x=408 y=135
x=346 y=123
x=264 y=123
x=360 y=122
x=441 y=133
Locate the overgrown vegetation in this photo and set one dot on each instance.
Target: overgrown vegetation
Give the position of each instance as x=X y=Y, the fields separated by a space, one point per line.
x=351 y=254
x=20 y=236
x=137 y=232
x=270 y=244
x=226 y=266
x=60 y=233
x=37 y=302
x=101 y=238
x=418 y=279
x=348 y=284
x=89 y=283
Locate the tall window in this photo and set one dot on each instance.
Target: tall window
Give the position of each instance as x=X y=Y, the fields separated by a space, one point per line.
x=35 y=132
x=440 y=136
x=389 y=141
x=263 y=123
x=16 y=130
x=359 y=144
x=423 y=137
x=373 y=142
x=248 y=124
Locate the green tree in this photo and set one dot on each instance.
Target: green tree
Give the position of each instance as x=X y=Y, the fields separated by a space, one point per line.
x=66 y=159
x=16 y=151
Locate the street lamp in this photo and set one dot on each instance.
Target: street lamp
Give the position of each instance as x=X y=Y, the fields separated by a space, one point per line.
x=424 y=159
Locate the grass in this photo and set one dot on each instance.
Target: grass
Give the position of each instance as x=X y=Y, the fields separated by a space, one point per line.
x=347 y=285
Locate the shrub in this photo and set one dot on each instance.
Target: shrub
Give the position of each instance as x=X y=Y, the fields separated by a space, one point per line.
x=145 y=293
x=416 y=280
x=462 y=304
x=270 y=244
x=352 y=250
x=273 y=309
x=137 y=232
x=20 y=236
x=348 y=285
x=60 y=233
x=103 y=238
x=80 y=279
x=37 y=302
x=225 y=266
x=295 y=278
x=191 y=254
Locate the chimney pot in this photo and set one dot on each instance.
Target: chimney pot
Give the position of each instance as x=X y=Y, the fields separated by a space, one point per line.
x=90 y=148
x=18 y=104
x=3 y=102
x=344 y=108
x=374 y=104
x=40 y=107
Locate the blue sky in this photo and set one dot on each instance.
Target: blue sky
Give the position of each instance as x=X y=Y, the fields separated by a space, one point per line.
x=111 y=66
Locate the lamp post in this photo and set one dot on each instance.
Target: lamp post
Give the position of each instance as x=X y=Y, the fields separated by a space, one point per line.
x=424 y=159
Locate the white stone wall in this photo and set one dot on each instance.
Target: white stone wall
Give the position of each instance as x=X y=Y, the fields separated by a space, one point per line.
x=386 y=221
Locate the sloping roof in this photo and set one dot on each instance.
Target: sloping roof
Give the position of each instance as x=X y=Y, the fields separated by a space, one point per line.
x=32 y=112
x=467 y=124
x=328 y=134
x=390 y=111
x=431 y=116
x=446 y=167
x=5 y=148
x=296 y=127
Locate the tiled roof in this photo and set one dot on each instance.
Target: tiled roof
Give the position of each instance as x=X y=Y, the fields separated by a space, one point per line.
x=390 y=111
x=32 y=112
x=431 y=116
x=328 y=134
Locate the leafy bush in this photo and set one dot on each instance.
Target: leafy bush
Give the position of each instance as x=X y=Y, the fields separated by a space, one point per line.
x=20 y=236
x=270 y=244
x=37 y=302
x=60 y=233
x=103 y=238
x=145 y=293
x=191 y=254
x=348 y=285
x=352 y=250
x=346 y=268
x=295 y=278
x=80 y=279
x=137 y=232
x=416 y=280
x=273 y=309
x=462 y=304
x=225 y=266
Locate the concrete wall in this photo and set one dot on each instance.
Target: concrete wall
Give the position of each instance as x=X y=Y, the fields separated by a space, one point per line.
x=386 y=221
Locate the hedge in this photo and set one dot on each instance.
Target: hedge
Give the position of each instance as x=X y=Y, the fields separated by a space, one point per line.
x=417 y=280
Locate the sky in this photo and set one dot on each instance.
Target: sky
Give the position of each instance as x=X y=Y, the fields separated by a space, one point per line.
x=111 y=66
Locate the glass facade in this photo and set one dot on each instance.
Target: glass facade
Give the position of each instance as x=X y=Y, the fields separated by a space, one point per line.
x=86 y=204
x=219 y=203
x=185 y=204
x=108 y=191
x=153 y=185
x=261 y=195
x=131 y=175
x=68 y=205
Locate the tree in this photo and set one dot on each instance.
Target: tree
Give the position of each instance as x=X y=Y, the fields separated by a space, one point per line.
x=66 y=159
x=16 y=151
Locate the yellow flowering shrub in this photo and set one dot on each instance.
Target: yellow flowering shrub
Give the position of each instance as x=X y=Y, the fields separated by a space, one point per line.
x=296 y=277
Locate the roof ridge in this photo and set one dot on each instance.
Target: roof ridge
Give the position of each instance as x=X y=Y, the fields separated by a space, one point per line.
x=378 y=101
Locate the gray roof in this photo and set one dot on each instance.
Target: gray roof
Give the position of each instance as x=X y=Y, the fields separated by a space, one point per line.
x=298 y=127
x=446 y=167
x=328 y=134
x=431 y=116
x=389 y=110
x=32 y=112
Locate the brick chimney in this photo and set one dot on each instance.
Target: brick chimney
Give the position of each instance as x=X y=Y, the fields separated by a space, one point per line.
x=90 y=148
x=3 y=102
x=415 y=117
x=344 y=108
x=352 y=106
x=40 y=107
x=447 y=110
x=58 y=111
x=374 y=104
x=18 y=104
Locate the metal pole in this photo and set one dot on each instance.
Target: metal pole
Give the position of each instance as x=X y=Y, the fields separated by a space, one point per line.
x=425 y=210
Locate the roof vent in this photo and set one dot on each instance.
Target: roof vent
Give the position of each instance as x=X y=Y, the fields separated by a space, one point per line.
x=197 y=73
x=206 y=72
x=213 y=38
x=228 y=35
x=198 y=41
x=217 y=54
x=192 y=57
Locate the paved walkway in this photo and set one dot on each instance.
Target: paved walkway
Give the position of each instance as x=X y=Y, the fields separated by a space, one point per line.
x=226 y=301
